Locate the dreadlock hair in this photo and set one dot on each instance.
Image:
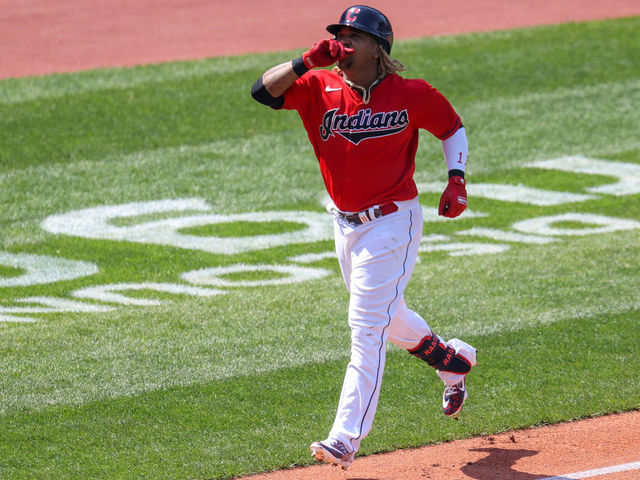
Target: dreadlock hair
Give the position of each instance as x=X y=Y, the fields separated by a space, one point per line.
x=386 y=64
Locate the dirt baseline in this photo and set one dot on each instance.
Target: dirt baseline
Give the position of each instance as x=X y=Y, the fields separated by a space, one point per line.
x=542 y=453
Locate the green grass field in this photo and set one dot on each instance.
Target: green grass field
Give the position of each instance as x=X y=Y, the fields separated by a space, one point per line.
x=164 y=315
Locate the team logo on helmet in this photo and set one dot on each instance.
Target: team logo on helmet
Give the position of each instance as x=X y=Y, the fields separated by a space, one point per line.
x=351 y=15
x=363 y=125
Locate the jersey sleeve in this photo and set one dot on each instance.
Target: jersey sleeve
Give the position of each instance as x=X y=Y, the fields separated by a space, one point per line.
x=433 y=112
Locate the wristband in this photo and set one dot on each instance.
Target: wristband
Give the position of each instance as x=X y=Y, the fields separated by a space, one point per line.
x=299 y=68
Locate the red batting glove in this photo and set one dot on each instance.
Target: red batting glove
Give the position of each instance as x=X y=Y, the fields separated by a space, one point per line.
x=324 y=53
x=454 y=198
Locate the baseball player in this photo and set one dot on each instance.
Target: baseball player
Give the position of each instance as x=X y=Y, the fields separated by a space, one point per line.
x=362 y=119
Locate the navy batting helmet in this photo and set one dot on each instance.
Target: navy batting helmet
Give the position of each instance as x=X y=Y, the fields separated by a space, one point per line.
x=367 y=19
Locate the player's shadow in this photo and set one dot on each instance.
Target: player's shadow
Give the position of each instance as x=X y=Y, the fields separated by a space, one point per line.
x=499 y=464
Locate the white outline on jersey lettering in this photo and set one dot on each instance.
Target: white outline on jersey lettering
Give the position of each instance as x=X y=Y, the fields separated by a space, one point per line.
x=363 y=125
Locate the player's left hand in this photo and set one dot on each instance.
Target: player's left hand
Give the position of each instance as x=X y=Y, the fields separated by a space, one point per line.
x=454 y=198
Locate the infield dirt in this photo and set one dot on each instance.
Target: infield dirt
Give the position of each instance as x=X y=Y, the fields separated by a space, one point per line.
x=45 y=36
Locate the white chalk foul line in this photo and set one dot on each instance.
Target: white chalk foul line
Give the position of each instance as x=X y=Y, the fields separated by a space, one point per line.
x=598 y=471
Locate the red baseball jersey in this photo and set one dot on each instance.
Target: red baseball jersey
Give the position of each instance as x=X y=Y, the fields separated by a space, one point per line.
x=367 y=151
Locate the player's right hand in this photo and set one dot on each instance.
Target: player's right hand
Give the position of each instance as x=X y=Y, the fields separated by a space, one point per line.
x=324 y=53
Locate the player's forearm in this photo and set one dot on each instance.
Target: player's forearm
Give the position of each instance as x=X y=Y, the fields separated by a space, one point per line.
x=278 y=79
x=270 y=87
x=455 y=149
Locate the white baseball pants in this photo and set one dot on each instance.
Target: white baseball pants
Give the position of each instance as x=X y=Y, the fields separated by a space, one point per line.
x=376 y=259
